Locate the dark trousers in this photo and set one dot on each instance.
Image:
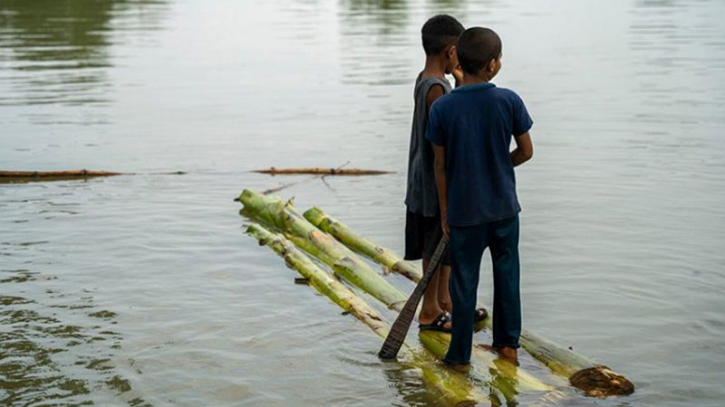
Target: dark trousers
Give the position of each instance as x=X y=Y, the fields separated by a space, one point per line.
x=466 y=248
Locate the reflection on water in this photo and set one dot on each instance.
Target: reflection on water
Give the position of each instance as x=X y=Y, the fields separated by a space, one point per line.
x=49 y=344
x=384 y=18
x=680 y=47
x=380 y=28
x=56 y=345
x=57 y=52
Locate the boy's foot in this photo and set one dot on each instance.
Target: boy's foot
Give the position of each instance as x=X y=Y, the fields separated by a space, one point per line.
x=510 y=354
x=504 y=352
x=441 y=323
x=459 y=367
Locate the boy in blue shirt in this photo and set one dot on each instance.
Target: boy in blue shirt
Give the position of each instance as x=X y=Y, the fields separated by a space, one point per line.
x=471 y=130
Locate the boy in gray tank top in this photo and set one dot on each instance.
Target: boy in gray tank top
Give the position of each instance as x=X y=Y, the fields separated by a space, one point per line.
x=422 y=227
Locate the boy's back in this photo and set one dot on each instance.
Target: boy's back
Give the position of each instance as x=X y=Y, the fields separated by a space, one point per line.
x=476 y=124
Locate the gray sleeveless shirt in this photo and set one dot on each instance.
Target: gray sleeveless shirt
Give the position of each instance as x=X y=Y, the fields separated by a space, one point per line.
x=421 y=196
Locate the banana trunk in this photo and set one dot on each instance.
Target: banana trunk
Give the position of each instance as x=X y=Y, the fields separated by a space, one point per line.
x=385 y=257
x=302 y=233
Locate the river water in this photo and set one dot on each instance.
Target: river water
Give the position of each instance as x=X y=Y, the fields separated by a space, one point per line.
x=142 y=290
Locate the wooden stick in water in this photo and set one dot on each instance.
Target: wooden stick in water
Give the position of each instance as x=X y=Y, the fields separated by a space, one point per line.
x=20 y=177
x=291 y=184
x=397 y=334
x=321 y=171
x=57 y=174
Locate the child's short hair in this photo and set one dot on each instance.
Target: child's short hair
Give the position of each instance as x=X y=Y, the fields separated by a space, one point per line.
x=439 y=32
x=476 y=47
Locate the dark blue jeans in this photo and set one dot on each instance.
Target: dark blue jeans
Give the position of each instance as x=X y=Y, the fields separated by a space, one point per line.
x=466 y=249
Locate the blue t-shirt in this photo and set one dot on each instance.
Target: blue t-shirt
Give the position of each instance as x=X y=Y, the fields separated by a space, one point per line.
x=475 y=124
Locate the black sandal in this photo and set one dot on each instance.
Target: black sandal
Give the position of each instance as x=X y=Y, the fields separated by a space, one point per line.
x=438 y=324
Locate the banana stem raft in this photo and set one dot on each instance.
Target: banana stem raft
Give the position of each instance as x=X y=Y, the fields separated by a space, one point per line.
x=285 y=218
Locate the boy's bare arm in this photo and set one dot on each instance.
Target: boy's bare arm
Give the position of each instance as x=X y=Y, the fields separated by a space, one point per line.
x=524 y=149
x=434 y=92
x=439 y=170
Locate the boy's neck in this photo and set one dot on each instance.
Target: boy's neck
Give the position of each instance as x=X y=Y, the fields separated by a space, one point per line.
x=469 y=79
x=434 y=66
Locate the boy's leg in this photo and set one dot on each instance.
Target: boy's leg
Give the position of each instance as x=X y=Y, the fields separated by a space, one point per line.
x=466 y=248
x=431 y=309
x=506 y=278
x=444 y=272
x=444 y=294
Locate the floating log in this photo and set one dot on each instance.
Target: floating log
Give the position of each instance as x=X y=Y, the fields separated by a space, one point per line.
x=321 y=171
x=28 y=176
x=38 y=176
x=342 y=260
x=583 y=373
x=386 y=257
x=453 y=387
x=56 y=174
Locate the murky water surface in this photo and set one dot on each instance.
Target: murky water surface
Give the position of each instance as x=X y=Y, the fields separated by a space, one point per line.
x=142 y=290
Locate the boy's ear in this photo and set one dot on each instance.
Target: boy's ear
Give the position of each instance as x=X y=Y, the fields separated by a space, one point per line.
x=451 y=51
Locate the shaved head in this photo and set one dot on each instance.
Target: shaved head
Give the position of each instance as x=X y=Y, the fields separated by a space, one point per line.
x=477 y=47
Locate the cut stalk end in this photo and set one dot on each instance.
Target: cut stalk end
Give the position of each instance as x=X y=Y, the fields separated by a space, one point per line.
x=600 y=381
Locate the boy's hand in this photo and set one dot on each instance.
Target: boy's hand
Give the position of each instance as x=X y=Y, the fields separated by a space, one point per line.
x=524 y=149
x=458 y=75
x=444 y=225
